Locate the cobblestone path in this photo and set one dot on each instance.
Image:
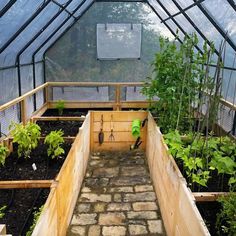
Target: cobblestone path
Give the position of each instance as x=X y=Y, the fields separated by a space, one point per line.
x=117 y=198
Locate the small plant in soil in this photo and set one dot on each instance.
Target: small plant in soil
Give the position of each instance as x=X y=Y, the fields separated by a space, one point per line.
x=226 y=219
x=36 y=217
x=26 y=137
x=3 y=154
x=54 y=140
x=2 y=211
x=60 y=106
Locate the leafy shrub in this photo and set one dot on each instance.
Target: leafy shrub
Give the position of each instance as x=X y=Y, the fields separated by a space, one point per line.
x=60 y=106
x=26 y=137
x=55 y=139
x=3 y=154
x=226 y=219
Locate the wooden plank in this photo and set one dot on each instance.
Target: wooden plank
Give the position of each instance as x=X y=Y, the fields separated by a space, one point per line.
x=93 y=84
x=18 y=184
x=21 y=98
x=84 y=104
x=208 y=196
x=126 y=116
x=47 y=222
x=59 y=118
x=117 y=126
x=119 y=136
x=40 y=111
x=3 y=229
x=117 y=146
x=23 y=111
x=177 y=205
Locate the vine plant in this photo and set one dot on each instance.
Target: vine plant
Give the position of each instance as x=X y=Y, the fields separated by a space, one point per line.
x=178 y=79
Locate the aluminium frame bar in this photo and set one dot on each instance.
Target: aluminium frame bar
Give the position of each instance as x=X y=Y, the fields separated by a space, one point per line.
x=61 y=25
x=232 y=4
x=216 y=25
x=7 y=7
x=194 y=25
x=16 y=34
x=183 y=10
x=176 y=23
x=62 y=8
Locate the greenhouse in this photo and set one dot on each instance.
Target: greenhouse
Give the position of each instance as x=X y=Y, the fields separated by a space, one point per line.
x=118 y=117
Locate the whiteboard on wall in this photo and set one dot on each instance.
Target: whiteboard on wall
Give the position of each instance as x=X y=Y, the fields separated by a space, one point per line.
x=119 y=41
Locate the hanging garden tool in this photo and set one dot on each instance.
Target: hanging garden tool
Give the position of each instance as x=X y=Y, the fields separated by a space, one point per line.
x=101 y=134
x=111 y=137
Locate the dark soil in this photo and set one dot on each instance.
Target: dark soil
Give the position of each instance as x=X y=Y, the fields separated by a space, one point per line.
x=209 y=212
x=73 y=111
x=21 y=204
x=19 y=168
x=70 y=128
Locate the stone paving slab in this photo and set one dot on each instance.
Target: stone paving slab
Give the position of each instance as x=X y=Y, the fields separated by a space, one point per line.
x=117 y=198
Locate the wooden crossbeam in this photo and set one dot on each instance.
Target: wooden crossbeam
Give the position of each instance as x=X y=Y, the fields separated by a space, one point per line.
x=19 y=184
x=208 y=196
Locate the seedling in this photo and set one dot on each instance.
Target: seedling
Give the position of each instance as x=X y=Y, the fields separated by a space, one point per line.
x=26 y=137
x=2 y=211
x=60 y=106
x=55 y=139
x=3 y=154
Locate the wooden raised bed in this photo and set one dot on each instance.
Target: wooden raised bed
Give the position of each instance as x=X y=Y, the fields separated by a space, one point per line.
x=177 y=203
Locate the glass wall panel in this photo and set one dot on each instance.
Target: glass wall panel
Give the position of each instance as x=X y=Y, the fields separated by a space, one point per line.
x=74 y=56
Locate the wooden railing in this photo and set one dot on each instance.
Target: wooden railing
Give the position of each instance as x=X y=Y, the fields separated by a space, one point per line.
x=116 y=104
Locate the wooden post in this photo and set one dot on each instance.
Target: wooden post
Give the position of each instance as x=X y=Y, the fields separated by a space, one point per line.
x=23 y=111
x=3 y=230
x=117 y=99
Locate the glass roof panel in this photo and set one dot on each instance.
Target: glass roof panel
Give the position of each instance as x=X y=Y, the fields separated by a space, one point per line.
x=224 y=15
x=9 y=55
x=26 y=56
x=158 y=8
x=16 y=16
x=170 y=6
x=205 y=25
x=39 y=55
x=72 y=6
x=3 y=3
x=185 y=3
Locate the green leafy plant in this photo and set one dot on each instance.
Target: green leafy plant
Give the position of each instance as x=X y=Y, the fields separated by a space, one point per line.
x=226 y=219
x=2 y=211
x=3 y=154
x=55 y=139
x=26 y=137
x=36 y=217
x=60 y=106
x=200 y=156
